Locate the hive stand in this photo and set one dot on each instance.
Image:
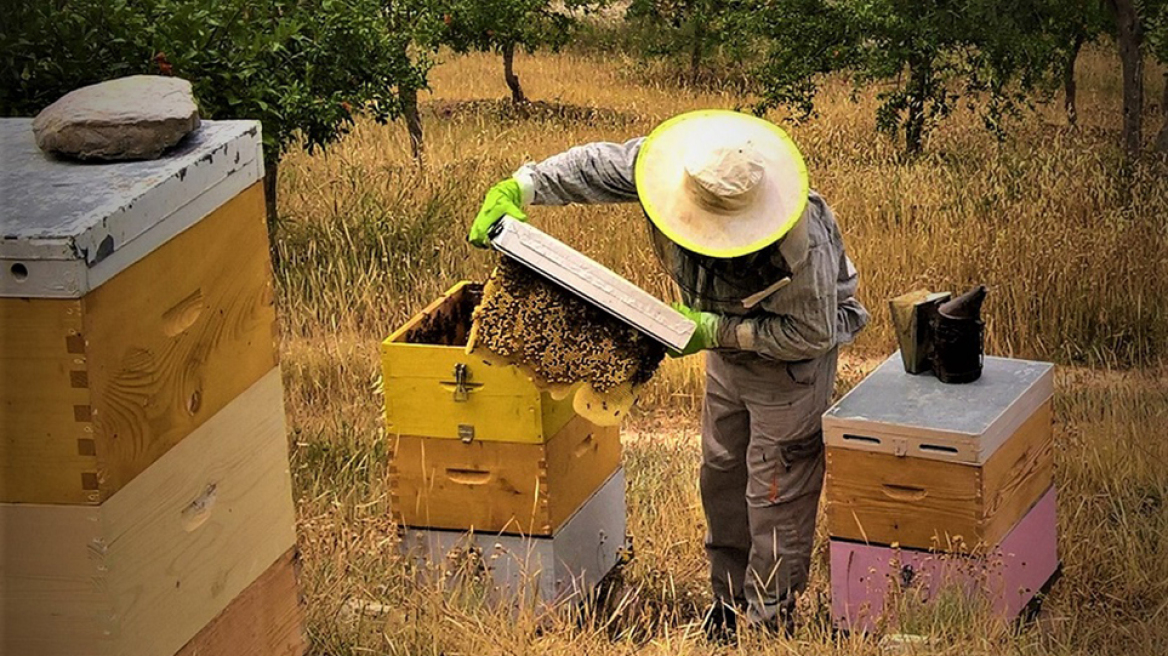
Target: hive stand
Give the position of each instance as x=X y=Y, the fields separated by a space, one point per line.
x=144 y=483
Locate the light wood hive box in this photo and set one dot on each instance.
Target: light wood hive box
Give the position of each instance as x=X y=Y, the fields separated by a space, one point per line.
x=478 y=446
x=912 y=462
x=144 y=483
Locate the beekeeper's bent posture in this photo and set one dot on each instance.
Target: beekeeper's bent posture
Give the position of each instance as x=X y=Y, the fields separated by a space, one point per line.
x=762 y=271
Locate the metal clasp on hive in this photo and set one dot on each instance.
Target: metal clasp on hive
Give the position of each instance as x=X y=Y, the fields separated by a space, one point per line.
x=462 y=385
x=466 y=433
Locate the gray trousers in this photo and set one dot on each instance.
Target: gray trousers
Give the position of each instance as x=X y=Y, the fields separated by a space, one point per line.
x=762 y=472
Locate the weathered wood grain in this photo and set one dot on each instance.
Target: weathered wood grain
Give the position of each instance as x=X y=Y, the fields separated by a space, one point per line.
x=495 y=487
x=144 y=572
x=95 y=390
x=45 y=452
x=266 y=619
x=1018 y=474
x=178 y=335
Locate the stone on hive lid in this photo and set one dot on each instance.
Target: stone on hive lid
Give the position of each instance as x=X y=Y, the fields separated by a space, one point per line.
x=135 y=117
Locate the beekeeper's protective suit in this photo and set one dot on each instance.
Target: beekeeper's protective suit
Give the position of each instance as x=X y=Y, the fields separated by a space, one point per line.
x=762 y=270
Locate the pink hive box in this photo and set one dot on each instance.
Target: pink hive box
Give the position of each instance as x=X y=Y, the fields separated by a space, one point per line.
x=865 y=577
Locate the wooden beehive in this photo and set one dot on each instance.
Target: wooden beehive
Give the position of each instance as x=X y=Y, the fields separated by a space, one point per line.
x=916 y=463
x=433 y=388
x=143 y=459
x=484 y=460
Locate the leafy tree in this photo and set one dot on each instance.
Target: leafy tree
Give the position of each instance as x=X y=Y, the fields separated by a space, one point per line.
x=304 y=68
x=419 y=26
x=1130 y=35
x=1157 y=30
x=694 y=27
x=1074 y=24
x=503 y=25
x=924 y=54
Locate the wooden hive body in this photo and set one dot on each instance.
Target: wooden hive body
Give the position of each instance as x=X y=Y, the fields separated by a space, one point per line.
x=873 y=584
x=144 y=481
x=918 y=476
x=427 y=396
x=501 y=487
x=538 y=570
x=98 y=386
x=143 y=572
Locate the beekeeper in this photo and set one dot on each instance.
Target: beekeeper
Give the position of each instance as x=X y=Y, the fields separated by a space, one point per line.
x=761 y=267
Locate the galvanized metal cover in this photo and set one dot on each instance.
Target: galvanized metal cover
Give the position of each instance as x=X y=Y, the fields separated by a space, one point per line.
x=592 y=281
x=66 y=227
x=891 y=396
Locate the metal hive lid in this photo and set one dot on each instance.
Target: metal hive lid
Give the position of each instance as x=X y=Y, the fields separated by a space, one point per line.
x=66 y=227
x=591 y=281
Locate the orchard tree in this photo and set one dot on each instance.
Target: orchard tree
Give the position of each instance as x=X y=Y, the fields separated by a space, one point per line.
x=1074 y=24
x=503 y=25
x=419 y=29
x=1157 y=21
x=304 y=68
x=693 y=27
x=1129 y=34
x=924 y=55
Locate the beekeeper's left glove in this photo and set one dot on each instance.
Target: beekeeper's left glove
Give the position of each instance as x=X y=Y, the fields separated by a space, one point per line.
x=706 y=335
x=505 y=198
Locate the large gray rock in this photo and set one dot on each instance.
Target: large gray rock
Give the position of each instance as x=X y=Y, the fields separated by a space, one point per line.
x=135 y=117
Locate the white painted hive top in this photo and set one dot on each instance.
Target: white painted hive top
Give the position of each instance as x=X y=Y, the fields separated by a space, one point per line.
x=891 y=399
x=66 y=227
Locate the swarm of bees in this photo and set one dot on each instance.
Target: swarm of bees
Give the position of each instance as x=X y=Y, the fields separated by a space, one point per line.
x=563 y=343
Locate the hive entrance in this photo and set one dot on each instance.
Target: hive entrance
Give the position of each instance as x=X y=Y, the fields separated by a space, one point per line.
x=563 y=343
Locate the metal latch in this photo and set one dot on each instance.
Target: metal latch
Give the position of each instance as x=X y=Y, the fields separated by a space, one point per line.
x=461 y=383
x=466 y=433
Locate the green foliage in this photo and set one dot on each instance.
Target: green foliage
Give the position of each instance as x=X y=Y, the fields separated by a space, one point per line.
x=696 y=29
x=302 y=67
x=924 y=55
x=491 y=25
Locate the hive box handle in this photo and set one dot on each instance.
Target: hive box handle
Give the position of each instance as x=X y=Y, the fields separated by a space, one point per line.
x=904 y=492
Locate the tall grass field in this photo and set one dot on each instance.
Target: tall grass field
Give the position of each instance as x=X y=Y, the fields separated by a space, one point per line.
x=1072 y=244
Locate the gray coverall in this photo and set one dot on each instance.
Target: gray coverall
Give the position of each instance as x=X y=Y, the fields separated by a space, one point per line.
x=767 y=382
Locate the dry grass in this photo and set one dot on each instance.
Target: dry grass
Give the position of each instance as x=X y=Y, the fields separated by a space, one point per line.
x=1074 y=252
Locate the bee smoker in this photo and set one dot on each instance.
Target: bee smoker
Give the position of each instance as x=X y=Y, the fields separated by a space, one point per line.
x=958 y=338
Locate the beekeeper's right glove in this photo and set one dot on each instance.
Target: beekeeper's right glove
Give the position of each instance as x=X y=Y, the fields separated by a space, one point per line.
x=505 y=198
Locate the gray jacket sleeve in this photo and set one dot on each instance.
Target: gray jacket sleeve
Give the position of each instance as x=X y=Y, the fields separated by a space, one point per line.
x=593 y=173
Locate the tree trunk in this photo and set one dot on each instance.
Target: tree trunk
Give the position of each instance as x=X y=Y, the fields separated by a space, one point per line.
x=1130 y=35
x=695 y=55
x=517 y=96
x=918 y=92
x=408 y=95
x=1162 y=138
x=270 y=173
x=1070 y=88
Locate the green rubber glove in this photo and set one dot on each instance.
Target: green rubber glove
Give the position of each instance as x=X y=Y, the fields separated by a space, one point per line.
x=706 y=336
x=502 y=199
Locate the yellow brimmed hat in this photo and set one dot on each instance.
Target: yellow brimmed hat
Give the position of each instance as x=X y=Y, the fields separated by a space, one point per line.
x=721 y=183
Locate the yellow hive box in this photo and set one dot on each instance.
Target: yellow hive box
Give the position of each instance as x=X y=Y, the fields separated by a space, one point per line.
x=501 y=487
x=433 y=388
